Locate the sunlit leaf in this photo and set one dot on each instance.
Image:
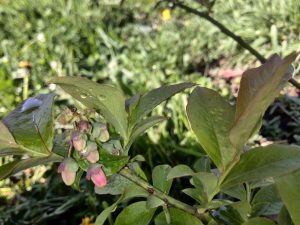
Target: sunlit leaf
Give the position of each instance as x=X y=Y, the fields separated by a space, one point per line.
x=107 y=99
x=258 y=89
x=31 y=124
x=211 y=118
x=263 y=162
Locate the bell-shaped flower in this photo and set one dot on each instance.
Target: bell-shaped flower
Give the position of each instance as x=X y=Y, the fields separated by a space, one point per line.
x=83 y=126
x=68 y=169
x=100 y=132
x=96 y=174
x=78 y=140
x=91 y=152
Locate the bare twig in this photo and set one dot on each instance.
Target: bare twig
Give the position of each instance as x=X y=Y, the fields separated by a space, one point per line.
x=228 y=32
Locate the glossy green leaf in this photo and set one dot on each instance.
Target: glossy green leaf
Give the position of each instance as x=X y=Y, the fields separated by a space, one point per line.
x=266 y=202
x=288 y=188
x=180 y=171
x=112 y=163
x=259 y=221
x=258 y=89
x=107 y=99
x=211 y=118
x=31 y=124
x=18 y=165
x=178 y=217
x=142 y=126
x=153 y=98
x=263 y=162
x=159 y=178
x=136 y=213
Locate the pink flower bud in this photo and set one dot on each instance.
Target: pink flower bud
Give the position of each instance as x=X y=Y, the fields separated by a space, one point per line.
x=78 y=140
x=83 y=126
x=100 y=132
x=91 y=152
x=68 y=169
x=93 y=157
x=97 y=175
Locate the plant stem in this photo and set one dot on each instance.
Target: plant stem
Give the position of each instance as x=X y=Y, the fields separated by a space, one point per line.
x=25 y=85
x=229 y=33
x=125 y=172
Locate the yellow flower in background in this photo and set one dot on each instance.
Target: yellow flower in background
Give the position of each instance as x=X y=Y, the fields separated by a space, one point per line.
x=166 y=14
x=86 y=221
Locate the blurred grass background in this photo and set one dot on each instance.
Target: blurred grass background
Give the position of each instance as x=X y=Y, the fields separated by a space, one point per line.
x=136 y=45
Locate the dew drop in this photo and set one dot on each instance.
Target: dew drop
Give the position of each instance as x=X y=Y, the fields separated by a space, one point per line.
x=83 y=96
x=101 y=97
x=31 y=103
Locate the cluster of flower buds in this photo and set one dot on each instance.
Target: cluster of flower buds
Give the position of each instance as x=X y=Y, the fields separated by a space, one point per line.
x=84 y=141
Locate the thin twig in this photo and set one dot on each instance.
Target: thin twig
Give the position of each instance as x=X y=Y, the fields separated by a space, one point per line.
x=125 y=172
x=229 y=33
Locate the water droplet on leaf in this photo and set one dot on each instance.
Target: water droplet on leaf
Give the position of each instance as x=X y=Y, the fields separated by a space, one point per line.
x=83 y=95
x=101 y=97
x=31 y=103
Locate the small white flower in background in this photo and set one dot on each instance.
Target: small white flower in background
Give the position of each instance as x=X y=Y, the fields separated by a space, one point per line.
x=40 y=37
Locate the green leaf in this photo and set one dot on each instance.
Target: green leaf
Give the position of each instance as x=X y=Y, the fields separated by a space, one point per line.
x=130 y=191
x=107 y=99
x=263 y=162
x=284 y=217
x=7 y=141
x=258 y=89
x=211 y=118
x=118 y=184
x=180 y=171
x=154 y=202
x=136 y=213
x=112 y=163
x=237 y=191
x=153 y=98
x=159 y=178
x=259 y=221
x=243 y=207
x=178 y=217
x=228 y=215
x=18 y=165
x=76 y=184
x=207 y=182
x=288 y=188
x=31 y=124
x=266 y=202
x=142 y=126
x=196 y=194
